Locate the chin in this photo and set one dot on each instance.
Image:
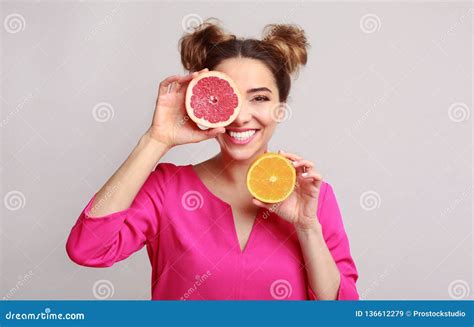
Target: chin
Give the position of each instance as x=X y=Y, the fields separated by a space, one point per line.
x=239 y=151
x=241 y=154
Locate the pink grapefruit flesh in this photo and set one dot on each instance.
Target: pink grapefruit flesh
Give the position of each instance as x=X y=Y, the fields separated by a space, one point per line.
x=212 y=100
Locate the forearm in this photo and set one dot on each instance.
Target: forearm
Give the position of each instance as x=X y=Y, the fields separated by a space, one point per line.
x=122 y=187
x=323 y=274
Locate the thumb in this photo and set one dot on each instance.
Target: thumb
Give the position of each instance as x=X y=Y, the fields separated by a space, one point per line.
x=213 y=132
x=209 y=133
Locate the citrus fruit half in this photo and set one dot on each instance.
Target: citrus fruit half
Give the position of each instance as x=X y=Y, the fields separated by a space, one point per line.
x=271 y=178
x=212 y=100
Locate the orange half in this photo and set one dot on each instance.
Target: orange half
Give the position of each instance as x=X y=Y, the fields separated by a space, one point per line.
x=271 y=178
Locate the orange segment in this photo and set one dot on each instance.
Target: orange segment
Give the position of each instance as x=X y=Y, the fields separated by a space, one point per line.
x=271 y=178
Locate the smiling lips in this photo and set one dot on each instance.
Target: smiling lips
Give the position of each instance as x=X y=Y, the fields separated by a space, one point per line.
x=242 y=137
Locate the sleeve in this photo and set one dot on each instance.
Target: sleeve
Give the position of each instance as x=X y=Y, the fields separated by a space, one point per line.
x=102 y=241
x=338 y=244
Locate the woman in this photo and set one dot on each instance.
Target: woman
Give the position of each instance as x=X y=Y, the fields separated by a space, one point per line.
x=206 y=237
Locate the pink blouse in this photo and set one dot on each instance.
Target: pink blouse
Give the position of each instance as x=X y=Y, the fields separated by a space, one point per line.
x=193 y=247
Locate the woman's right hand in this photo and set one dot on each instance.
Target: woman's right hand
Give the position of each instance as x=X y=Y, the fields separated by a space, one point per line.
x=171 y=125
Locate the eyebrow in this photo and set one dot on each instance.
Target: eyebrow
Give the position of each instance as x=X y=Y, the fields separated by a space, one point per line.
x=258 y=89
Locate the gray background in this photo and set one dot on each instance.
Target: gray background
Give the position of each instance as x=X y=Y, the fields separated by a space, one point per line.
x=383 y=108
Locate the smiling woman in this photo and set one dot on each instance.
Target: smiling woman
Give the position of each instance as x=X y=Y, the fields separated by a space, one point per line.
x=262 y=70
x=201 y=220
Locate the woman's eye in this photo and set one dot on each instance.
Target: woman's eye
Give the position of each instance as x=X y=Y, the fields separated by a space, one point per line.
x=260 y=98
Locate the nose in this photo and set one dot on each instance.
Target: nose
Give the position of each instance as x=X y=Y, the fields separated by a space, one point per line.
x=244 y=116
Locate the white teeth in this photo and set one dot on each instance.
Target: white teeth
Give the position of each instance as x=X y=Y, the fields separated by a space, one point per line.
x=242 y=135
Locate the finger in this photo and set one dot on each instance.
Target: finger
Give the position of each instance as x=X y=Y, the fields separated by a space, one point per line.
x=191 y=75
x=201 y=135
x=314 y=177
x=184 y=80
x=197 y=72
x=291 y=156
x=303 y=166
x=212 y=132
x=303 y=163
x=187 y=78
x=164 y=85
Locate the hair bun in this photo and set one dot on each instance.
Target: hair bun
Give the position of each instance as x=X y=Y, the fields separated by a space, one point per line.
x=290 y=42
x=194 y=46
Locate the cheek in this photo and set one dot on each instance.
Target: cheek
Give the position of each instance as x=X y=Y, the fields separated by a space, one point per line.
x=267 y=114
x=267 y=120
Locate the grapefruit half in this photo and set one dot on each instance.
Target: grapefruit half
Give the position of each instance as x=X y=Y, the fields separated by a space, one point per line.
x=212 y=100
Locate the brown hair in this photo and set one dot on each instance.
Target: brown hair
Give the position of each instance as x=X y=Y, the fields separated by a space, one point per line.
x=283 y=48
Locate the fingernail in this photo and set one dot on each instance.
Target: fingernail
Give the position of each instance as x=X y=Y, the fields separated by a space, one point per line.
x=293 y=162
x=304 y=174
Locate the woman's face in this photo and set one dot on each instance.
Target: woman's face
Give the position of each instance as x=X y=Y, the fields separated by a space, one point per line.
x=248 y=135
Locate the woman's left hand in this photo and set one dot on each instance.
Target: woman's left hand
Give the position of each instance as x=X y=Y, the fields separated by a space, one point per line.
x=301 y=206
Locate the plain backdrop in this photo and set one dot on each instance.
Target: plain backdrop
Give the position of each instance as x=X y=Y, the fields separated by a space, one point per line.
x=383 y=108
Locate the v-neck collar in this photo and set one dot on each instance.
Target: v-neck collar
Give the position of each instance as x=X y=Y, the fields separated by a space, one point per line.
x=211 y=194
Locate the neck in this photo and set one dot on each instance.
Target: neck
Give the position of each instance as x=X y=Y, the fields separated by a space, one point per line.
x=234 y=171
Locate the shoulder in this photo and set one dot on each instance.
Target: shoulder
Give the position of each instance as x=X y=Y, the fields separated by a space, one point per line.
x=167 y=172
x=168 y=167
x=165 y=167
x=164 y=179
